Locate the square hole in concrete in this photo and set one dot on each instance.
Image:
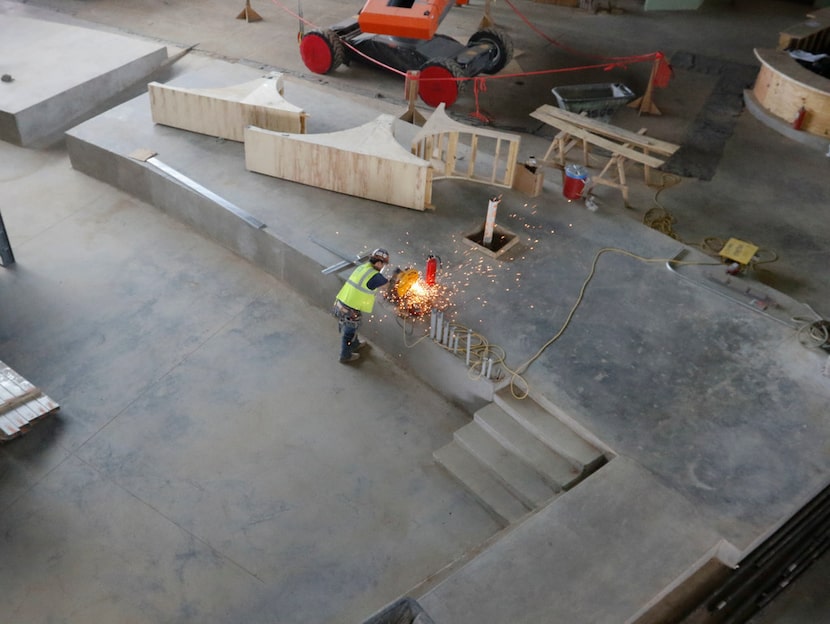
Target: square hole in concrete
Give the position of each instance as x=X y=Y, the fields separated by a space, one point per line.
x=503 y=239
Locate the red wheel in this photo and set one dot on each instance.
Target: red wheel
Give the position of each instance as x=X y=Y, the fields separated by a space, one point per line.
x=321 y=51
x=439 y=82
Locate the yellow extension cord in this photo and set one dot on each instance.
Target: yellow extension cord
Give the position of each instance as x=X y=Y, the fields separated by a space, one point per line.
x=482 y=350
x=657 y=218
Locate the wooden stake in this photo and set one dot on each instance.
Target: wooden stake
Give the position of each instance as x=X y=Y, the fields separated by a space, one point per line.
x=487 y=20
x=412 y=115
x=248 y=14
x=645 y=103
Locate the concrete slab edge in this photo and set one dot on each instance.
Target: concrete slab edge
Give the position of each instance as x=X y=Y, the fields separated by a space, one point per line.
x=45 y=123
x=723 y=552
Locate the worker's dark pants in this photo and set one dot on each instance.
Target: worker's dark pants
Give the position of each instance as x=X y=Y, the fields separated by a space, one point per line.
x=348 y=322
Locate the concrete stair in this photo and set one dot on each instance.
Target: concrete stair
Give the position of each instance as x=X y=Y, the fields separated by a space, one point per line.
x=516 y=457
x=551 y=430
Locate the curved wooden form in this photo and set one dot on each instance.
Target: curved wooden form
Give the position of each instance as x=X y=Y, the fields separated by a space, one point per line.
x=444 y=141
x=224 y=112
x=783 y=87
x=366 y=161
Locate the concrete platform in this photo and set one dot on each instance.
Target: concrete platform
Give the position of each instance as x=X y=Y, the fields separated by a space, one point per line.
x=616 y=370
x=713 y=412
x=63 y=74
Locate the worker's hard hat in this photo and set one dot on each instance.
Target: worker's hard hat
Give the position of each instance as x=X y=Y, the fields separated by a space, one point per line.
x=379 y=255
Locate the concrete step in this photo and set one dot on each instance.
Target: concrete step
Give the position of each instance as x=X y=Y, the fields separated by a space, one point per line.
x=550 y=430
x=497 y=499
x=512 y=471
x=555 y=469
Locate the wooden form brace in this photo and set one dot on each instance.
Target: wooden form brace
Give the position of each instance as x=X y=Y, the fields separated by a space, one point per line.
x=624 y=145
x=224 y=112
x=366 y=161
x=444 y=142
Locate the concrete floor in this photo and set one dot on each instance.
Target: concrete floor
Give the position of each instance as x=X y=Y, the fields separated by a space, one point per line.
x=163 y=348
x=205 y=426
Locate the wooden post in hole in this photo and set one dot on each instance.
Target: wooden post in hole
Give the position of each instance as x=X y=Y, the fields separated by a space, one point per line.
x=411 y=91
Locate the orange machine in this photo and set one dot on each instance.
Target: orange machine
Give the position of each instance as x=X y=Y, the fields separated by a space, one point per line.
x=401 y=34
x=411 y=19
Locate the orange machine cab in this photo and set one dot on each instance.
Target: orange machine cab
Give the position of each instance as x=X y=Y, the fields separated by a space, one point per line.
x=411 y=19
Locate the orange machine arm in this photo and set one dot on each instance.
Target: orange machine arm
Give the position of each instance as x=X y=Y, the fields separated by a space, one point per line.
x=412 y=19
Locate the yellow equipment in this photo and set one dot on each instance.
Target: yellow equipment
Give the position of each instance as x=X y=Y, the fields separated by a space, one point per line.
x=405 y=280
x=738 y=251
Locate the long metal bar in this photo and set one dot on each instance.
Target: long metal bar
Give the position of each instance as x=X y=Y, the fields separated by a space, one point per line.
x=192 y=184
x=670 y=265
x=347 y=261
x=6 y=253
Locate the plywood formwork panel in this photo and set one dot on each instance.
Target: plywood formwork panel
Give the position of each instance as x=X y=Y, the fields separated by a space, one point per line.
x=225 y=111
x=366 y=161
x=444 y=142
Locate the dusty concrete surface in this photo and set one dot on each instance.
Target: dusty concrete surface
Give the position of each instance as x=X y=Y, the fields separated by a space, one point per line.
x=708 y=405
x=205 y=425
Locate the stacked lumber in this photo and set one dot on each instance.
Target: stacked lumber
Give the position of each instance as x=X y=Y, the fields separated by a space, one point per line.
x=21 y=404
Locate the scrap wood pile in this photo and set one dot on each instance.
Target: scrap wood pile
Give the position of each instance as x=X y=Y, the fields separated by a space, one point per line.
x=21 y=404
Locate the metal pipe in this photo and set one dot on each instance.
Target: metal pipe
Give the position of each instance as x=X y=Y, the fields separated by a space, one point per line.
x=469 y=339
x=432 y=323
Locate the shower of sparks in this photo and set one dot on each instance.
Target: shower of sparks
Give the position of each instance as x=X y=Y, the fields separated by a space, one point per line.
x=421 y=298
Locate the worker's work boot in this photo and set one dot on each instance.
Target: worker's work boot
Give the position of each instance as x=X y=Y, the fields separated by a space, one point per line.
x=357 y=345
x=351 y=358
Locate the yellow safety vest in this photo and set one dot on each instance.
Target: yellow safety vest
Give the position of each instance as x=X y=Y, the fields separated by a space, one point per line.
x=355 y=292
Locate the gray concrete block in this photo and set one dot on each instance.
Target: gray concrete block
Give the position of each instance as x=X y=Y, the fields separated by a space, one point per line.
x=61 y=77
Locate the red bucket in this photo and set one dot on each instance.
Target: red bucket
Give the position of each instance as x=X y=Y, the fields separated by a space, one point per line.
x=573 y=182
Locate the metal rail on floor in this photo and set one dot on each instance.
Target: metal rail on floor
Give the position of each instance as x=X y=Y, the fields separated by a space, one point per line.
x=774 y=565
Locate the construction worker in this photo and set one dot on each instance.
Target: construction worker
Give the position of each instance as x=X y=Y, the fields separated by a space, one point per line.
x=356 y=297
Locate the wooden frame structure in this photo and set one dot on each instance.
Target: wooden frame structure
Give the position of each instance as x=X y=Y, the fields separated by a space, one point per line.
x=366 y=161
x=441 y=142
x=623 y=145
x=224 y=112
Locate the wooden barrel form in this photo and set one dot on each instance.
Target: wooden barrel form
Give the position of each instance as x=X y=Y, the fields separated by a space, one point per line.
x=783 y=87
